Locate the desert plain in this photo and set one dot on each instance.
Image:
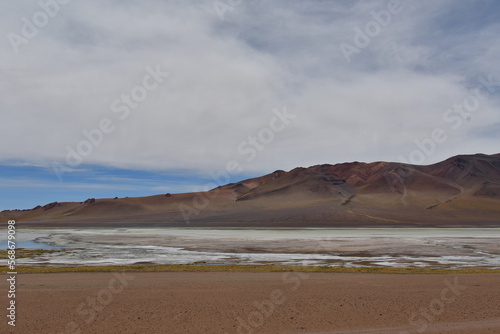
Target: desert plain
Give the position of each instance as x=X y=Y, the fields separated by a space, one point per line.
x=258 y=302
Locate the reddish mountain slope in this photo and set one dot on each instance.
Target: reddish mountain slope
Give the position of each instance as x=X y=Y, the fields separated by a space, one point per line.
x=462 y=190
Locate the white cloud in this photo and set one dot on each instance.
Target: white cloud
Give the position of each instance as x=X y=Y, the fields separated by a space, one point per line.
x=227 y=76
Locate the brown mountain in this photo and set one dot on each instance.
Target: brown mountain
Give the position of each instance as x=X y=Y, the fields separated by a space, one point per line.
x=460 y=191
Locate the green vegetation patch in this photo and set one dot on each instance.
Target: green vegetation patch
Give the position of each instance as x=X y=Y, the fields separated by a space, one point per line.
x=27 y=253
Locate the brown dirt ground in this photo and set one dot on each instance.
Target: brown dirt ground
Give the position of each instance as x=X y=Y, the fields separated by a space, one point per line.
x=235 y=302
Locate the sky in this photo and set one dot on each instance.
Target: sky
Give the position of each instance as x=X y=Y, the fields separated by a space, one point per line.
x=134 y=98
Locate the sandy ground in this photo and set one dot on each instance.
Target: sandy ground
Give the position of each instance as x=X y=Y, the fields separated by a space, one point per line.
x=277 y=303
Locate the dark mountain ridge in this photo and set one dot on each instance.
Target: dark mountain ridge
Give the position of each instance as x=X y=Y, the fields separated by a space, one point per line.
x=460 y=191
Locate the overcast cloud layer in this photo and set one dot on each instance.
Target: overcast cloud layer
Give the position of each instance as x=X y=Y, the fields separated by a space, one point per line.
x=230 y=66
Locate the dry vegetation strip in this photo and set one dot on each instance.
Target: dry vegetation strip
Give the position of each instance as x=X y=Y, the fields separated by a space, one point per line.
x=242 y=268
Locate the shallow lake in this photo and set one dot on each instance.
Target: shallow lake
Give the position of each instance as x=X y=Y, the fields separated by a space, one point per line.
x=356 y=247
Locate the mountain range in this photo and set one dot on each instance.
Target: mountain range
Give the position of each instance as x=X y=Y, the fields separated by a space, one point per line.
x=461 y=191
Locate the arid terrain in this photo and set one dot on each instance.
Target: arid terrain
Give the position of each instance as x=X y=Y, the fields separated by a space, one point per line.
x=460 y=191
x=266 y=303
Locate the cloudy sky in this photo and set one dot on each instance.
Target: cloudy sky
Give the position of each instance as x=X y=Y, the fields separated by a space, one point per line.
x=129 y=98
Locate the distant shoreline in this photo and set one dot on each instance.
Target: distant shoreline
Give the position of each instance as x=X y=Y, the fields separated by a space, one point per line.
x=240 y=226
x=342 y=227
